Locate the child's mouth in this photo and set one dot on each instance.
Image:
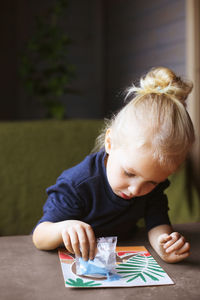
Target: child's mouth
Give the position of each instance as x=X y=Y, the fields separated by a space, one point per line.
x=124 y=196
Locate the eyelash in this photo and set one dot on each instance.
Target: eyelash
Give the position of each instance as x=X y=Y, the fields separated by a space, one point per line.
x=133 y=175
x=154 y=183
x=129 y=174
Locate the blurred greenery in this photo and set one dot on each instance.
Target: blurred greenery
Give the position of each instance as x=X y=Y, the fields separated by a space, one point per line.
x=44 y=67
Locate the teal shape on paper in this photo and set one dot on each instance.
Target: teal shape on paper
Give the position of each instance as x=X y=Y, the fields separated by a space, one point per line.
x=140 y=266
x=80 y=283
x=91 y=268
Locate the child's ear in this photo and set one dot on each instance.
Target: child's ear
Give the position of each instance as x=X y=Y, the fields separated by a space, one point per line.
x=108 y=141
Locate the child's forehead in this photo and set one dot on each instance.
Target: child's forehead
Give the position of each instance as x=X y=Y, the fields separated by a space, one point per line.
x=141 y=161
x=132 y=152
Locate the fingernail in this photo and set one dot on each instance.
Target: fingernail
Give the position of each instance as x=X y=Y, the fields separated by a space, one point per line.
x=85 y=258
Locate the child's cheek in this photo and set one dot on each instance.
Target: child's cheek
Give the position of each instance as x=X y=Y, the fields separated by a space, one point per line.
x=148 y=188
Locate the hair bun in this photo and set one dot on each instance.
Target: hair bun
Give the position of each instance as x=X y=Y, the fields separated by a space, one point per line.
x=162 y=80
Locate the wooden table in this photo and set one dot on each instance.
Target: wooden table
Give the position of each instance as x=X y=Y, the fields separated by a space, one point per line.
x=27 y=273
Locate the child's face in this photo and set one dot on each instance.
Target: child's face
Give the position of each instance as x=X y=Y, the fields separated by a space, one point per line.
x=132 y=172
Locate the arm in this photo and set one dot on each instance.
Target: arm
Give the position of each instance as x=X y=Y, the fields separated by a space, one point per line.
x=170 y=246
x=74 y=234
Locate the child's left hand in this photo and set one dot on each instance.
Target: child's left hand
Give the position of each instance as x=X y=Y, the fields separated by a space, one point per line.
x=173 y=247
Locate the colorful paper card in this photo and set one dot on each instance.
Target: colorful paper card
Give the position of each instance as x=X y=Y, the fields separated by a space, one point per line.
x=134 y=265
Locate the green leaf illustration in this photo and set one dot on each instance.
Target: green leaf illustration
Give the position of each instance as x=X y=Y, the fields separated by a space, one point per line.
x=80 y=283
x=140 y=266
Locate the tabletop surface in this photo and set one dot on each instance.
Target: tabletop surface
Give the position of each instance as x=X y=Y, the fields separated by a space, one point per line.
x=27 y=273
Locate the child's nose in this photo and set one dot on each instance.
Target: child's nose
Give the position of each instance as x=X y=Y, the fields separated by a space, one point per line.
x=135 y=190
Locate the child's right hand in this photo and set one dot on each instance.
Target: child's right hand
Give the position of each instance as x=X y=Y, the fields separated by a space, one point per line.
x=78 y=235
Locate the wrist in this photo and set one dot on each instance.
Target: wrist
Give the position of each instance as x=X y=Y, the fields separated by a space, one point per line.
x=47 y=235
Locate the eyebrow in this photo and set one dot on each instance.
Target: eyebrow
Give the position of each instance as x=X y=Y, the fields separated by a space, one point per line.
x=134 y=172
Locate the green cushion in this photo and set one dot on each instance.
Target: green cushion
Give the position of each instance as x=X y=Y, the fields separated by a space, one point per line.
x=184 y=200
x=34 y=153
x=32 y=156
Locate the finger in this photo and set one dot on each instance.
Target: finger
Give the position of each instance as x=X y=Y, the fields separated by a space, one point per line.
x=75 y=241
x=67 y=241
x=174 y=237
x=184 y=249
x=182 y=256
x=84 y=244
x=92 y=242
x=164 y=238
x=176 y=245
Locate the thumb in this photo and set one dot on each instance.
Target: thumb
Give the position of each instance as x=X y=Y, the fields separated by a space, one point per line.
x=163 y=238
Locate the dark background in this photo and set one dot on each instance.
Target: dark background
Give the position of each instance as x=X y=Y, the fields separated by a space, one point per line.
x=114 y=43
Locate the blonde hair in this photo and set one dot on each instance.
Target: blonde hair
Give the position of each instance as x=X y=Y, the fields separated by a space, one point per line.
x=158 y=106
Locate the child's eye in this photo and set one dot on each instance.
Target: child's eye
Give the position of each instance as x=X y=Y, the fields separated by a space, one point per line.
x=128 y=174
x=153 y=183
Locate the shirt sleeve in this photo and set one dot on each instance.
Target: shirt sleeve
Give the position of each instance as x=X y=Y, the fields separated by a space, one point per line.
x=156 y=210
x=63 y=203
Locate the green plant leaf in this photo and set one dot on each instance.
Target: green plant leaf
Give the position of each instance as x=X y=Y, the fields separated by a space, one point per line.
x=44 y=68
x=140 y=266
x=80 y=283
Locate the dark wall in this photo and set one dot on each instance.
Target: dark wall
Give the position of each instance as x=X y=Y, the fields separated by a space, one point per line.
x=8 y=60
x=114 y=43
x=142 y=34
x=83 y=24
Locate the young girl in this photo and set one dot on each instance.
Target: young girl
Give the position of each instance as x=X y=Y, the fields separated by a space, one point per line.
x=111 y=189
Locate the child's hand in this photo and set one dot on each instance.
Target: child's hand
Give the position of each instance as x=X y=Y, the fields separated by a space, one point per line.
x=173 y=248
x=78 y=235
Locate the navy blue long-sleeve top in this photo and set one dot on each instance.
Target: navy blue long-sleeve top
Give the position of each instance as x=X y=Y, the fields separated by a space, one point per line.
x=83 y=193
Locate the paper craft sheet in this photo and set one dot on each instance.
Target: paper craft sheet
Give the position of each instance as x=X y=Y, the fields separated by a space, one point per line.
x=134 y=265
